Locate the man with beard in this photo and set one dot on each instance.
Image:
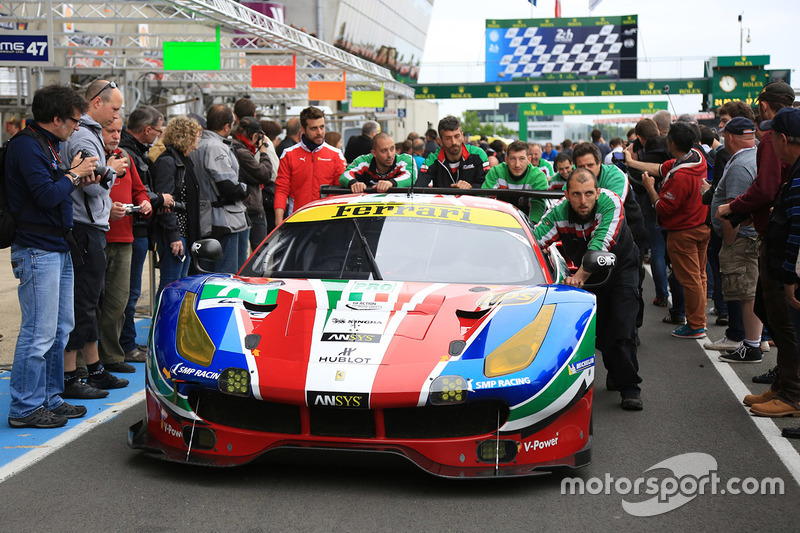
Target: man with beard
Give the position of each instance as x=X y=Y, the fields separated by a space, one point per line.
x=455 y=164
x=381 y=169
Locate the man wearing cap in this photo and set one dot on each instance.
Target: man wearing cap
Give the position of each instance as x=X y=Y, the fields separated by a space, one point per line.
x=738 y=254
x=778 y=262
x=255 y=170
x=758 y=202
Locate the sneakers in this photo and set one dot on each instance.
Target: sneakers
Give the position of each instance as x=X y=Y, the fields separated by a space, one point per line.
x=774 y=408
x=78 y=390
x=685 y=332
x=106 y=380
x=124 y=368
x=69 y=411
x=764 y=346
x=136 y=355
x=632 y=402
x=674 y=319
x=661 y=301
x=742 y=354
x=40 y=419
x=751 y=399
x=767 y=377
x=722 y=345
x=791 y=433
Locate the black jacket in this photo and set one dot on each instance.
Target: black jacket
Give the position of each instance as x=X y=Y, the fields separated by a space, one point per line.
x=173 y=173
x=357 y=146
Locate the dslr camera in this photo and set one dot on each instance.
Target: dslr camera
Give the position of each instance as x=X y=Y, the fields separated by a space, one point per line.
x=106 y=174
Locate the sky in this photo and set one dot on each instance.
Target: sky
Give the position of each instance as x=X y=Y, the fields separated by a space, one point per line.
x=675 y=38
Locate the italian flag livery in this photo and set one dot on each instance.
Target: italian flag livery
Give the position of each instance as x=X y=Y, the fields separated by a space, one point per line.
x=463 y=379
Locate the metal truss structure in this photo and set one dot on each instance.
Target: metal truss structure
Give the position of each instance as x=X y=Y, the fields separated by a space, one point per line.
x=124 y=39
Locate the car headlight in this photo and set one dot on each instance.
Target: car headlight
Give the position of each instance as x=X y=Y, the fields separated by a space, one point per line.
x=191 y=338
x=448 y=390
x=518 y=352
x=234 y=381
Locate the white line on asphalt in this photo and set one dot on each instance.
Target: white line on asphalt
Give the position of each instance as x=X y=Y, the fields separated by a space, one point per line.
x=37 y=454
x=772 y=433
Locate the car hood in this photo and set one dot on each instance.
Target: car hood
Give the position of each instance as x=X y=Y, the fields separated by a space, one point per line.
x=383 y=340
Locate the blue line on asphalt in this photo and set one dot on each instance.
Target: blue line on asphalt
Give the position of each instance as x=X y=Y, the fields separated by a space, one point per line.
x=14 y=443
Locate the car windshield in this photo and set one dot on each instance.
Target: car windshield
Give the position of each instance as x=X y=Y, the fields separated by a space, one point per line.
x=404 y=249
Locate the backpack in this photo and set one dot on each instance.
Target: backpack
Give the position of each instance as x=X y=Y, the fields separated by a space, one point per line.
x=8 y=222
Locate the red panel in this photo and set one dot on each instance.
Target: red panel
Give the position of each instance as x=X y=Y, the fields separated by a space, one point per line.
x=282 y=76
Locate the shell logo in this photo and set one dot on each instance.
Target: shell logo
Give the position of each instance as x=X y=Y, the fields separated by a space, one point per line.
x=612 y=86
x=461 y=89
x=651 y=85
x=573 y=87
x=424 y=90
x=498 y=88
x=536 y=88
x=572 y=107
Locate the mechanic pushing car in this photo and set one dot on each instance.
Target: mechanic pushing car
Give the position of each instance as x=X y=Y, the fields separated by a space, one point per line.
x=591 y=218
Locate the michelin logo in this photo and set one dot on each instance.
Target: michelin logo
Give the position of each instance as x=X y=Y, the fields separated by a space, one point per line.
x=580 y=366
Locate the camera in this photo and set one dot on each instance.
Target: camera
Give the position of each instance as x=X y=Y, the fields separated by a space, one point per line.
x=131 y=209
x=106 y=174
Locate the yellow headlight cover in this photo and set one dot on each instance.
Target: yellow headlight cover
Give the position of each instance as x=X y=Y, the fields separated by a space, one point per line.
x=191 y=338
x=518 y=352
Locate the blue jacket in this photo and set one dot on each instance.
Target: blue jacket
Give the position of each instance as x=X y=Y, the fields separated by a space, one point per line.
x=38 y=191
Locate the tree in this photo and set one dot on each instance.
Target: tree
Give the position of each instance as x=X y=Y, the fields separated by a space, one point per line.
x=471 y=125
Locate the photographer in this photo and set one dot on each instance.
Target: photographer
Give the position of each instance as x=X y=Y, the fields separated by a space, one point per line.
x=38 y=185
x=119 y=253
x=92 y=210
x=255 y=170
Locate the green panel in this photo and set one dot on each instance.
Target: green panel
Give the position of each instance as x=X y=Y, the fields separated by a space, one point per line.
x=569 y=89
x=742 y=61
x=748 y=84
x=591 y=108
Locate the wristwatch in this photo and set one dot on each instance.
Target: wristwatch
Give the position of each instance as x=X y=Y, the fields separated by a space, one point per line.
x=76 y=180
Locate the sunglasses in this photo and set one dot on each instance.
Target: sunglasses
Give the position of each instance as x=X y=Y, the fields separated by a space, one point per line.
x=110 y=84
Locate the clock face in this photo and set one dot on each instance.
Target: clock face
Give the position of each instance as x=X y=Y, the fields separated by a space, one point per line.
x=727 y=83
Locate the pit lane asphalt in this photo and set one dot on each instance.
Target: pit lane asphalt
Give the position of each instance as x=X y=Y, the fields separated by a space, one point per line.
x=95 y=482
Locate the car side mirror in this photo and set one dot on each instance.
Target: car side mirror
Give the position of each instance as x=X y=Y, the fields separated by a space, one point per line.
x=595 y=261
x=209 y=249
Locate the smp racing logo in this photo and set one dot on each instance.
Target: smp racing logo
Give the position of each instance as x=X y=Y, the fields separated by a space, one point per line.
x=338 y=399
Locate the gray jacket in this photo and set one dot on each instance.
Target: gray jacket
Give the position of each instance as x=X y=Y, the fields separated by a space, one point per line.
x=91 y=205
x=222 y=211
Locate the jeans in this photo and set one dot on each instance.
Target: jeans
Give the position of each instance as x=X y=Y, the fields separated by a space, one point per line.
x=37 y=376
x=234 y=248
x=714 y=246
x=127 y=338
x=735 y=329
x=655 y=239
x=171 y=267
x=115 y=298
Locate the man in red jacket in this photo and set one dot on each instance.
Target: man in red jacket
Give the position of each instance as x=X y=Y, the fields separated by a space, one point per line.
x=127 y=190
x=680 y=210
x=307 y=165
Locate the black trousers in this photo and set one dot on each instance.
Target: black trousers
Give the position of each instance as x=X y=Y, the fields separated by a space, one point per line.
x=89 y=281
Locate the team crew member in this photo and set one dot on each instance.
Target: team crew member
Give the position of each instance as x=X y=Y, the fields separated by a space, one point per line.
x=455 y=164
x=518 y=173
x=381 y=168
x=564 y=167
x=591 y=218
x=535 y=151
x=680 y=209
x=307 y=165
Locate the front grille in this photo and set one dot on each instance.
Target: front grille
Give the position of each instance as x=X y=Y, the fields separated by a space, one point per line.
x=429 y=422
x=444 y=421
x=246 y=413
x=352 y=423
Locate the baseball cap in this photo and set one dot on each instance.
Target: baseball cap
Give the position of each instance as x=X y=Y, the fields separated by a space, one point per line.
x=198 y=118
x=251 y=125
x=786 y=121
x=740 y=126
x=777 y=91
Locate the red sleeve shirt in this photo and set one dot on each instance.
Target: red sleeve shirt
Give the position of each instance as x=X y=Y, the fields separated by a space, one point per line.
x=680 y=203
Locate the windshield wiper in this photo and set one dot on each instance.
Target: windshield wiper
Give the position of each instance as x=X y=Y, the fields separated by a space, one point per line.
x=376 y=272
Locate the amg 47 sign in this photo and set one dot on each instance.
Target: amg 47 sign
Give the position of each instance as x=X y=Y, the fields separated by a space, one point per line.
x=25 y=49
x=561 y=48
